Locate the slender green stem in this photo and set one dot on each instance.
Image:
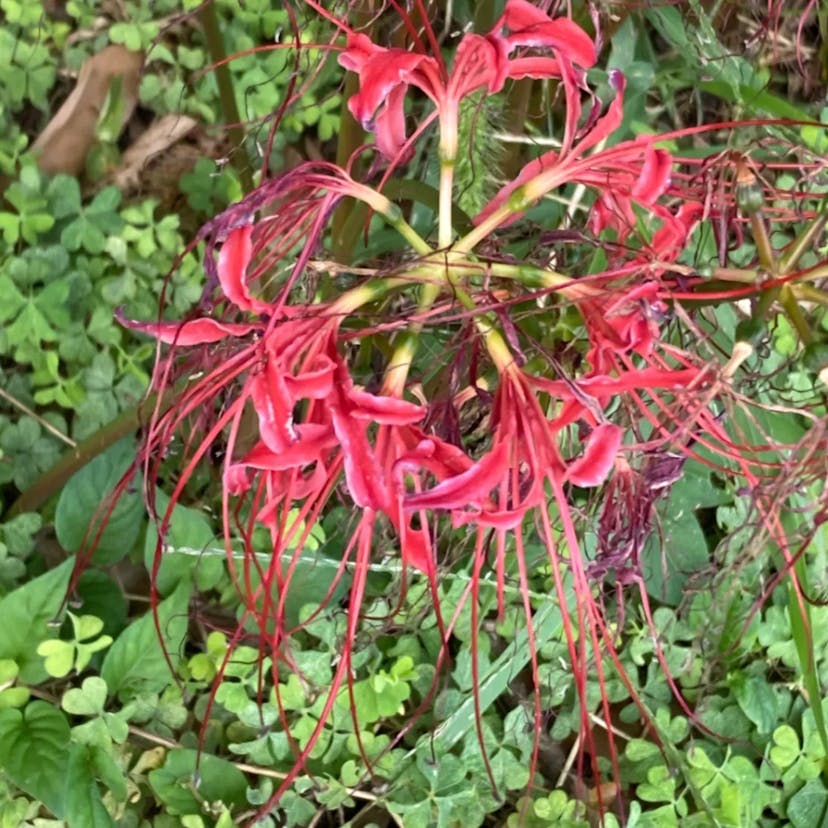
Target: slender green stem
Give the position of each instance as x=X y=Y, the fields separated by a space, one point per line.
x=489 y=224
x=218 y=54
x=392 y=214
x=794 y=312
x=801 y=244
x=444 y=230
x=809 y=293
x=762 y=241
x=405 y=349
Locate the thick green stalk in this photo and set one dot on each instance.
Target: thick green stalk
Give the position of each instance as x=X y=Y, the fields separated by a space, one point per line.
x=349 y=138
x=218 y=54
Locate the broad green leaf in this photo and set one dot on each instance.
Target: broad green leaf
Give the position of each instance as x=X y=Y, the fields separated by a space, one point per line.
x=178 y=781
x=185 y=554
x=757 y=700
x=25 y=615
x=135 y=663
x=808 y=807
x=102 y=597
x=33 y=744
x=84 y=499
x=84 y=806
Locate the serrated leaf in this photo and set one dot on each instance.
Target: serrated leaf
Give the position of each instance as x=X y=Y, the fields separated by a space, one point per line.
x=80 y=503
x=33 y=745
x=25 y=614
x=135 y=663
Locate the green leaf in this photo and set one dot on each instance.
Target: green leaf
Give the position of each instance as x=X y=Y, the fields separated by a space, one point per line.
x=786 y=748
x=11 y=300
x=64 y=196
x=808 y=807
x=546 y=625
x=135 y=663
x=102 y=597
x=33 y=745
x=59 y=656
x=84 y=806
x=26 y=613
x=81 y=502
x=757 y=700
x=86 y=700
x=184 y=553
x=177 y=782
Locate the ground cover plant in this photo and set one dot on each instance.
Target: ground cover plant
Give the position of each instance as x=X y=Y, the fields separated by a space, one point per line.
x=480 y=478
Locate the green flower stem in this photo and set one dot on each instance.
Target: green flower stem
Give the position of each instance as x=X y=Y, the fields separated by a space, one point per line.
x=487 y=226
x=801 y=244
x=405 y=349
x=215 y=46
x=392 y=215
x=355 y=298
x=764 y=249
x=808 y=293
x=486 y=324
x=444 y=231
x=791 y=306
x=539 y=277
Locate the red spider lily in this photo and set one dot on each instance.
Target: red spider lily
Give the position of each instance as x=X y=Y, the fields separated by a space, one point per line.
x=294 y=363
x=516 y=480
x=480 y=61
x=317 y=435
x=630 y=172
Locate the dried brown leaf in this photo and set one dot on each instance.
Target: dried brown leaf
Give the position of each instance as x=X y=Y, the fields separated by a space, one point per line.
x=65 y=142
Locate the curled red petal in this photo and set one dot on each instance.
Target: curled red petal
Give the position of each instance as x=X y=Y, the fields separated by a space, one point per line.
x=610 y=120
x=530 y=26
x=274 y=408
x=312 y=441
x=195 y=332
x=383 y=76
x=468 y=488
x=234 y=257
x=534 y=67
x=383 y=409
x=593 y=466
x=363 y=474
x=236 y=481
x=655 y=175
x=315 y=384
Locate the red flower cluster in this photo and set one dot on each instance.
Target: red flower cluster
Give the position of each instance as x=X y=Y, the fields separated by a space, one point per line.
x=480 y=61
